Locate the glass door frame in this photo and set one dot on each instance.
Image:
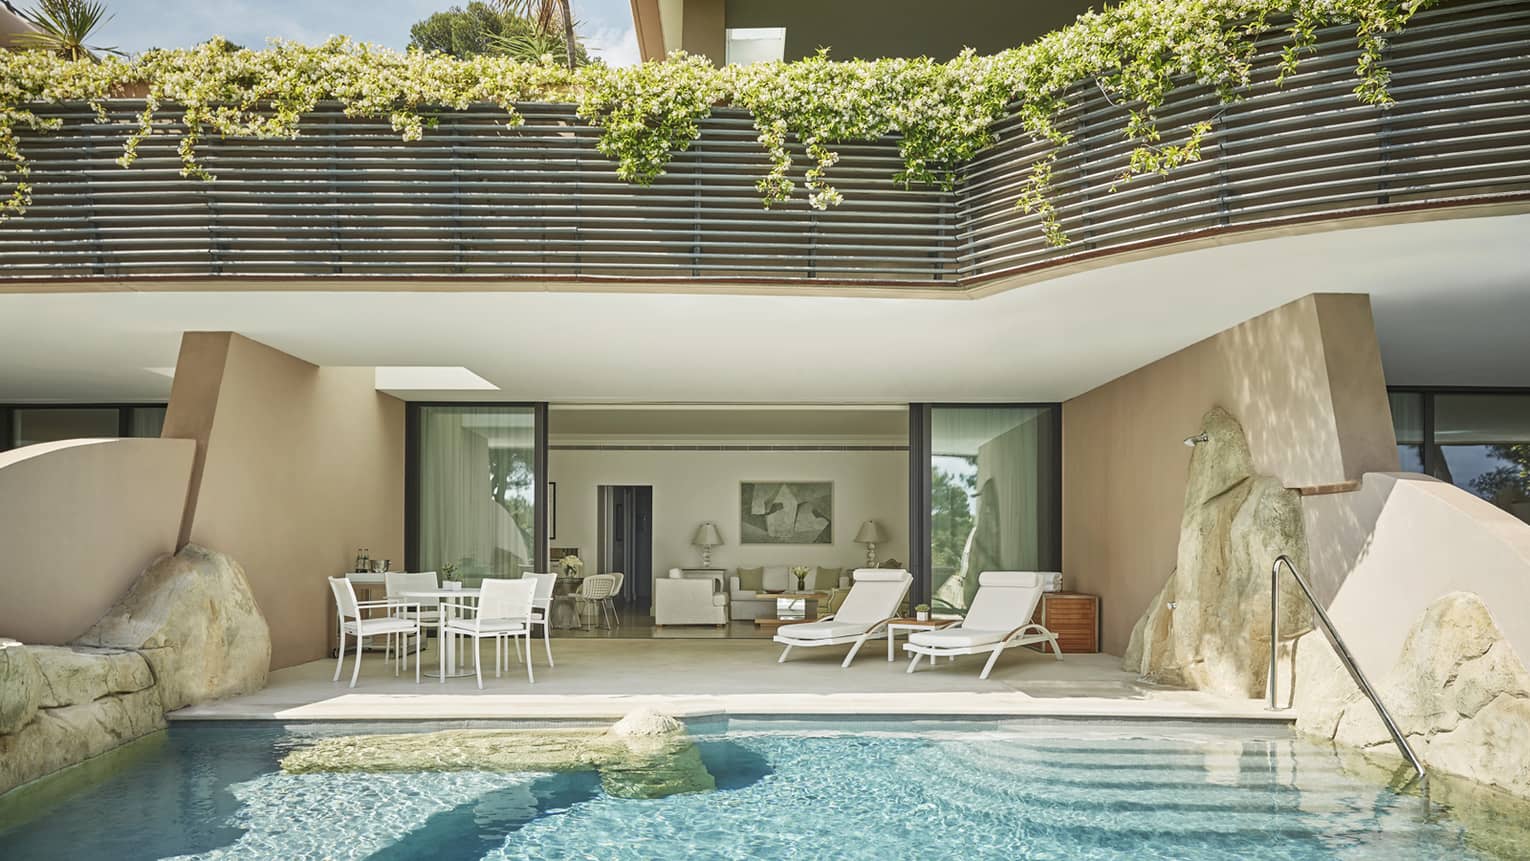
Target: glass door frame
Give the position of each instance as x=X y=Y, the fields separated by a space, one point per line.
x=124 y=415
x=1426 y=395
x=920 y=450
x=412 y=412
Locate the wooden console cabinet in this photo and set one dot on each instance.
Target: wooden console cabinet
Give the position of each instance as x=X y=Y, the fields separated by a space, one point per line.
x=1074 y=617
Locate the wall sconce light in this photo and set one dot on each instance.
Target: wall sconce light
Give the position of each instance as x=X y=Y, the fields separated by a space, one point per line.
x=1193 y=441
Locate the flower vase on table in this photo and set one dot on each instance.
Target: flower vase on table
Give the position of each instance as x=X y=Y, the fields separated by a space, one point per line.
x=800 y=573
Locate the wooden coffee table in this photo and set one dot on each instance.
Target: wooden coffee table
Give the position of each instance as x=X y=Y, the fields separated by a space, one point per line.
x=791 y=607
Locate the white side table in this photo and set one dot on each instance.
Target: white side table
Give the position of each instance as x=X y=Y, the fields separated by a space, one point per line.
x=910 y=625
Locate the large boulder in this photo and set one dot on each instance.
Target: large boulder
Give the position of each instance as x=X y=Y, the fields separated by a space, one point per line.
x=644 y=721
x=85 y=701
x=1209 y=628
x=60 y=737
x=20 y=686
x=645 y=755
x=73 y=675
x=1458 y=692
x=193 y=617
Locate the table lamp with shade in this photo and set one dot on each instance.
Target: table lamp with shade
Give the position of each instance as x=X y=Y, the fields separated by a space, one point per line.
x=870 y=535
x=706 y=538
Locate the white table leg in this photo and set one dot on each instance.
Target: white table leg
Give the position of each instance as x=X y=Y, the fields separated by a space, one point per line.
x=890 y=639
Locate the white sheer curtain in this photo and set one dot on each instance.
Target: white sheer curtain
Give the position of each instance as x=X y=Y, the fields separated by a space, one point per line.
x=993 y=494
x=477 y=486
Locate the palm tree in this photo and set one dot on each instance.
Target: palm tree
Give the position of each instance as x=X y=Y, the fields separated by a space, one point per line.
x=64 y=27
x=549 y=16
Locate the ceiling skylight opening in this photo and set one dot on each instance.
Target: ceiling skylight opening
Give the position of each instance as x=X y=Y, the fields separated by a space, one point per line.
x=425 y=378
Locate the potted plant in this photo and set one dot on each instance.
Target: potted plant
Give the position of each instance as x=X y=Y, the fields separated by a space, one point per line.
x=449 y=576
x=800 y=572
x=922 y=613
x=572 y=566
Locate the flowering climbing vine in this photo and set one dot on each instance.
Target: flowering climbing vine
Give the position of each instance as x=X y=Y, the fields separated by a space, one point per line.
x=941 y=113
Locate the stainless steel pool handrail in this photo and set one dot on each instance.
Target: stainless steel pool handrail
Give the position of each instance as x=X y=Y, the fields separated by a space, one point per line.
x=1340 y=649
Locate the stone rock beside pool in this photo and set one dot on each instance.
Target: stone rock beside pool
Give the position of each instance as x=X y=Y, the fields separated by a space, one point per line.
x=1458 y=691
x=187 y=631
x=85 y=702
x=646 y=722
x=20 y=686
x=194 y=618
x=80 y=674
x=1216 y=636
x=650 y=757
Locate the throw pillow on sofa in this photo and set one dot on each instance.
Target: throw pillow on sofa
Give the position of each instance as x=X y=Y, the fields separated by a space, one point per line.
x=825 y=579
x=751 y=579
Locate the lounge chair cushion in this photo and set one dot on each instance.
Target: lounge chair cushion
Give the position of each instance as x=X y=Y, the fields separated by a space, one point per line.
x=874 y=597
x=956 y=638
x=1012 y=579
x=822 y=630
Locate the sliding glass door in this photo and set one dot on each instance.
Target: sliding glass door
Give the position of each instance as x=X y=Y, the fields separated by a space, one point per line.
x=991 y=495
x=1478 y=440
x=474 y=496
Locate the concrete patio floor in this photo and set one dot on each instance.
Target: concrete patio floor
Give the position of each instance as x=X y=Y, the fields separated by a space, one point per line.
x=607 y=678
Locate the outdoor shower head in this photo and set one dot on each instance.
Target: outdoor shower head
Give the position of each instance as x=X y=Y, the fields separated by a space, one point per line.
x=1193 y=441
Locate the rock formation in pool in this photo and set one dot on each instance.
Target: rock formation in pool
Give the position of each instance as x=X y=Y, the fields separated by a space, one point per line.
x=1216 y=636
x=1458 y=692
x=187 y=631
x=645 y=755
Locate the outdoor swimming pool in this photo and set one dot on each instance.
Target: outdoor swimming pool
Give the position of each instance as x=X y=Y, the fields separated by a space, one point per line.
x=785 y=789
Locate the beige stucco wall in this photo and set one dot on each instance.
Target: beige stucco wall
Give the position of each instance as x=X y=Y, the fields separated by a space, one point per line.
x=12 y=25
x=1383 y=554
x=702 y=28
x=297 y=466
x=79 y=521
x=1306 y=383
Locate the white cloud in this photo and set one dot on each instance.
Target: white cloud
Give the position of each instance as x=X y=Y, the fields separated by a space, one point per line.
x=618 y=46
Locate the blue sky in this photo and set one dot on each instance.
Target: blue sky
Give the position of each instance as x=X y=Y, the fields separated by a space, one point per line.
x=141 y=24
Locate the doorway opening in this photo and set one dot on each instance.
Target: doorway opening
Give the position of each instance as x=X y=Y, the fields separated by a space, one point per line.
x=625 y=537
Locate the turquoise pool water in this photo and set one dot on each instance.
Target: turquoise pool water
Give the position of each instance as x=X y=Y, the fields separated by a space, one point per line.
x=785 y=790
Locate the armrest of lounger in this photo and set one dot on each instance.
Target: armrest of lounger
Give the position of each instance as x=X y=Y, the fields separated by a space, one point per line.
x=1020 y=631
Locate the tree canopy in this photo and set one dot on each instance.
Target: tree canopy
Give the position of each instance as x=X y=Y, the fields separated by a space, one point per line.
x=481 y=29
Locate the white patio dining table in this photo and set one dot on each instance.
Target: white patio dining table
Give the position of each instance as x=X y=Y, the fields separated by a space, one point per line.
x=446 y=646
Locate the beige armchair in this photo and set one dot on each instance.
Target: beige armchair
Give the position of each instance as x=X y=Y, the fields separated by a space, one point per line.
x=687 y=601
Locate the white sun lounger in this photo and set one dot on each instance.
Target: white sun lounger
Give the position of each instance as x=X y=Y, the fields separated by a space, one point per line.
x=999 y=619
x=873 y=601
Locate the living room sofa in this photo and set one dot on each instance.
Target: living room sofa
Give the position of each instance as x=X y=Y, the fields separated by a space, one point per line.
x=743 y=603
x=689 y=601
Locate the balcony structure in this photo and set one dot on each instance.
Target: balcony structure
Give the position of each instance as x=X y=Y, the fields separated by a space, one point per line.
x=475 y=202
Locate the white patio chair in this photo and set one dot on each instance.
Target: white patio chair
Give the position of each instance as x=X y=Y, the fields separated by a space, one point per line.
x=541 y=603
x=610 y=601
x=873 y=602
x=395 y=583
x=999 y=618
x=593 y=594
x=503 y=612
x=353 y=623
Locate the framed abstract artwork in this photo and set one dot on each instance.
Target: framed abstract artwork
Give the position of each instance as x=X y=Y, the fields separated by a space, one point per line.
x=786 y=512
